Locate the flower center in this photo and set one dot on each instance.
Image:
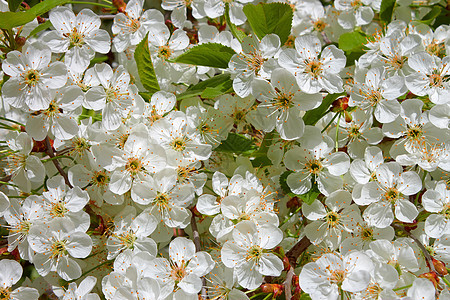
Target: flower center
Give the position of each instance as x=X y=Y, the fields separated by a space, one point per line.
x=100 y=178
x=283 y=101
x=32 y=77
x=314 y=166
x=437 y=49
x=353 y=132
x=314 y=68
x=367 y=234
x=5 y=293
x=111 y=95
x=58 y=210
x=356 y=4
x=134 y=25
x=52 y=109
x=122 y=140
x=178 y=273
x=446 y=211
x=255 y=61
x=76 y=39
x=58 y=249
x=436 y=80
x=319 y=25
x=290 y=41
x=164 y=52
x=332 y=218
x=397 y=61
x=254 y=253
x=414 y=132
x=127 y=239
x=162 y=200
x=392 y=195
x=178 y=144
x=337 y=276
x=134 y=166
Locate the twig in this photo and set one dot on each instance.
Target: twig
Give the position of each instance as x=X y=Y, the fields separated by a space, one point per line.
x=196 y=236
x=50 y=153
x=425 y=252
x=298 y=249
x=288 y=283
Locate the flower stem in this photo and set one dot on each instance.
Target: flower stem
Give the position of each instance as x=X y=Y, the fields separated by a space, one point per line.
x=92 y=269
x=337 y=132
x=402 y=287
x=446 y=281
x=331 y=121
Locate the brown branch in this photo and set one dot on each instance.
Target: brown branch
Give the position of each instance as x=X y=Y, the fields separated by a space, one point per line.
x=49 y=151
x=288 y=283
x=425 y=252
x=196 y=237
x=298 y=249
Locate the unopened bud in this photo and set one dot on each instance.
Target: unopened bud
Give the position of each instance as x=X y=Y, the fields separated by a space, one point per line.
x=120 y=5
x=340 y=104
x=20 y=41
x=276 y=289
x=293 y=203
x=286 y=264
x=439 y=266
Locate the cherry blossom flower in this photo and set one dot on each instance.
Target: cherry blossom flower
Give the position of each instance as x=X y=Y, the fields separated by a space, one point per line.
x=79 y=37
x=33 y=78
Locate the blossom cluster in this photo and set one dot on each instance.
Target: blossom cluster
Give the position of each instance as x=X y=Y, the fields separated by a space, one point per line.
x=233 y=149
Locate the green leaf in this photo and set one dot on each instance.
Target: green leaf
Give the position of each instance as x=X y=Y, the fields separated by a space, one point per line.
x=311 y=117
x=353 y=45
x=311 y=195
x=145 y=67
x=13 y=5
x=236 y=143
x=266 y=18
x=9 y=20
x=210 y=54
x=387 y=10
x=41 y=27
x=210 y=88
x=431 y=15
x=352 y=41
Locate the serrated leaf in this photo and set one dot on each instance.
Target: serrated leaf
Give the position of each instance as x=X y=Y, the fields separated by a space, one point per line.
x=387 y=10
x=9 y=20
x=236 y=143
x=145 y=67
x=210 y=88
x=13 y=5
x=209 y=54
x=352 y=41
x=311 y=117
x=266 y=18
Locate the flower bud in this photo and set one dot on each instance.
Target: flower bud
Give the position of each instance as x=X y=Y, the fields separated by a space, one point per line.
x=439 y=266
x=276 y=289
x=340 y=104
